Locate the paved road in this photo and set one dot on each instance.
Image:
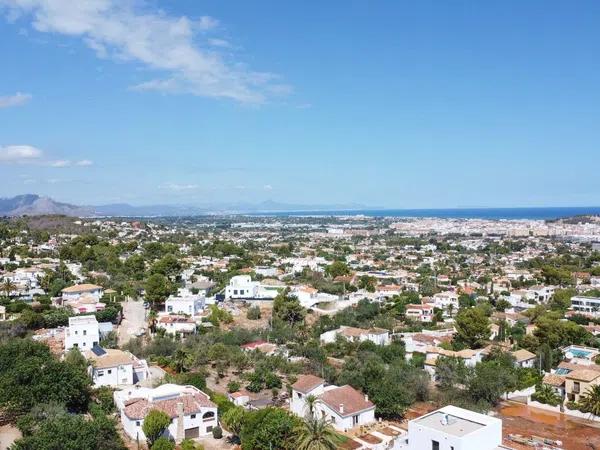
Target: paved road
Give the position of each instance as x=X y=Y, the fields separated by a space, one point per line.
x=134 y=319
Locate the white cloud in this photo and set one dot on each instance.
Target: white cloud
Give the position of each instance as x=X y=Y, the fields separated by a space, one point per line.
x=128 y=31
x=178 y=187
x=60 y=163
x=216 y=42
x=268 y=187
x=68 y=163
x=207 y=23
x=17 y=99
x=19 y=154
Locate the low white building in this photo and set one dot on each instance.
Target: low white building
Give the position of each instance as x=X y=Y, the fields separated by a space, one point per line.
x=524 y=358
x=446 y=301
x=173 y=324
x=420 y=313
x=452 y=428
x=344 y=406
x=241 y=287
x=74 y=292
x=192 y=412
x=378 y=336
x=83 y=333
x=191 y=305
x=309 y=296
x=588 y=305
x=110 y=367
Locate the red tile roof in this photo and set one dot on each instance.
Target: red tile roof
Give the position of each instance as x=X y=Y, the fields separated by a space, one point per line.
x=192 y=403
x=307 y=383
x=353 y=400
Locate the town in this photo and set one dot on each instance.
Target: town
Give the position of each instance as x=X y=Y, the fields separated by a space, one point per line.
x=310 y=332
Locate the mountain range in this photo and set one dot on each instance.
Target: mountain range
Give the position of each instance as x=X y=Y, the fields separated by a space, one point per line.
x=34 y=205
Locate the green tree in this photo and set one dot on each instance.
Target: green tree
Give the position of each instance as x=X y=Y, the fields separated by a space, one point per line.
x=162 y=443
x=155 y=424
x=288 y=309
x=268 y=429
x=69 y=431
x=590 y=400
x=472 y=328
x=316 y=434
x=158 y=288
x=337 y=268
x=234 y=420
x=30 y=375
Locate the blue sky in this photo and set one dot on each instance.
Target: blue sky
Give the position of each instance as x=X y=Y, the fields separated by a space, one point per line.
x=386 y=103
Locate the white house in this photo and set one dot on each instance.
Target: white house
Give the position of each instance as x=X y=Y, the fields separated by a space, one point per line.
x=242 y=287
x=83 y=332
x=446 y=301
x=110 y=367
x=173 y=324
x=239 y=398
x=309 y=296
x=453 y=428
x=344 y=406
x=378 y=336
x=192 y=305
x=524 y=358
x=192 y=412
x=74 y=292
x=420 y=313
x=589 y=305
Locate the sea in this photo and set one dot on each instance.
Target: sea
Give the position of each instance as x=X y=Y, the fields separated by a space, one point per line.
x=537 y=213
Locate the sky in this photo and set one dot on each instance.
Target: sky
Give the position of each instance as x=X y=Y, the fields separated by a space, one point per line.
x=387 y=103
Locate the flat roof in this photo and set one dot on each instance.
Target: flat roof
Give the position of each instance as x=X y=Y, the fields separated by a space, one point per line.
x=455 y=421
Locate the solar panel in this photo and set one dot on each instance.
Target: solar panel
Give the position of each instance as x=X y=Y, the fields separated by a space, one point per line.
x=98 y=351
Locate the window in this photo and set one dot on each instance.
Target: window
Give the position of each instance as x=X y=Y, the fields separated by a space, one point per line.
x=100 y=373
x=85 y=332
x=241 y=292
x=235 y=292
x=209 y=429
x=137 y=423
x=109 y=371
x=208 y=416
x=435 y=445
x=355 y=420
x=193 y=416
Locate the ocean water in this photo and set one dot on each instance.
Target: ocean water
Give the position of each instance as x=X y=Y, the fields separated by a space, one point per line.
x=454 y=213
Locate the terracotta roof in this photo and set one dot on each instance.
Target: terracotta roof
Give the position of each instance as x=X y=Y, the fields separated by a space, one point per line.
x=192 y=403
x=523 y=355
x=353 y=400
x=175 y=319
x=583 y=375
x=572 y=366
x=307 y=383
x=112 y=358
x=554 y=380
x=81 y=288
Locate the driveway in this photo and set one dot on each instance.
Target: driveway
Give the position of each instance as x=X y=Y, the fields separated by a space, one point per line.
x=134 y=319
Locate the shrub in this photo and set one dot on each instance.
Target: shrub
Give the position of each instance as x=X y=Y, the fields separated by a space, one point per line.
x=233 y=386
x=217 y=432
x=162 y=443
x=253 y=313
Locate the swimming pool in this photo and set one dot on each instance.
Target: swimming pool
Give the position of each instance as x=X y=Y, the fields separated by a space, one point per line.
x=579 y=353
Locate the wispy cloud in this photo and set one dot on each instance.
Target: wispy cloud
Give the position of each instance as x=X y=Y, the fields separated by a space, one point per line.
x=178 y=187
x=19 y=154
x=17 y=99
x=68 y=163
x=268 y=187
x=131 y=31
x=28 y=154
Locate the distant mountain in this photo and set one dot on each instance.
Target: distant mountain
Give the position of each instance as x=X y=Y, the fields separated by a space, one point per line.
x=35 y=205
x=32 y=204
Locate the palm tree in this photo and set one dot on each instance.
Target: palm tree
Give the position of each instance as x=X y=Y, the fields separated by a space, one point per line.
x=309 y=404
x=8 y=287
x=590 y=400
x=316 y=434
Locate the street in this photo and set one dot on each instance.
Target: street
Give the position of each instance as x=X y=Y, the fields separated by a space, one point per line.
x=134 y=320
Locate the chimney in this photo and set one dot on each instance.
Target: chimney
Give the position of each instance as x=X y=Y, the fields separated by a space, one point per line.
x=180 y=429
x=366 y=398
x=341 y=408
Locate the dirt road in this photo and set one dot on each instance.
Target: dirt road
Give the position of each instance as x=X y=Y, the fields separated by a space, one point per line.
x=134 y=319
